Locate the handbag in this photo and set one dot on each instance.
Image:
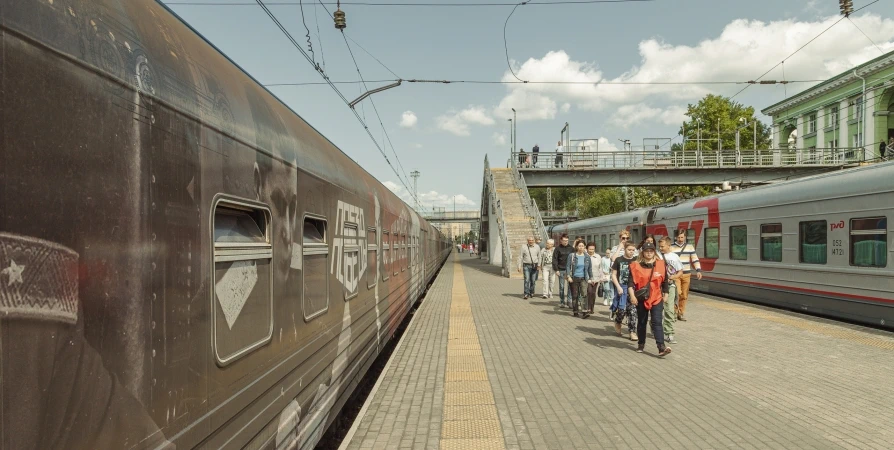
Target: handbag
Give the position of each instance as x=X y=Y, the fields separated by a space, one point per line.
x=642 y=294
x=600 y=291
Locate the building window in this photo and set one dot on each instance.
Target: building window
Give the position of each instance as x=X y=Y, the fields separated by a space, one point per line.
x=738 y=242
x=771 y=242
x=833 y=116
x=833 y=144
x=858 y=140
x=372 y=259
x=315 y=268
x=386 y=254
x=811 y=123
x=712 y=243
x=812 y=238
x=243 y=279
x=858 y=108
x=869 y=239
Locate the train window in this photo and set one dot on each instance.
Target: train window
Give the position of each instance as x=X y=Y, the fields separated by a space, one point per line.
x=386 y=254
x=812 y=239
x=350 y=272
x=738 y=242
x=604 y=243
x=372 y=258
x=243 y=279
x=690 y=236
x=869 y=242
x=712 y=243
x=405 y=254
x=395 y=255
x=315 y=273
x=771 y=242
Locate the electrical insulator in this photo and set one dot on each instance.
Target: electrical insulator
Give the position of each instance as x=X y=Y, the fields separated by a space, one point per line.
x=340 y=19
x=847 y=7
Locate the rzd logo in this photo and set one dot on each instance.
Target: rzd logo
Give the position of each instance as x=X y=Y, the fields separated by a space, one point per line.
x=350 y=240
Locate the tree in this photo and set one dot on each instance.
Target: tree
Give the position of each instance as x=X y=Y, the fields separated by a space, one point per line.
x=717 y=110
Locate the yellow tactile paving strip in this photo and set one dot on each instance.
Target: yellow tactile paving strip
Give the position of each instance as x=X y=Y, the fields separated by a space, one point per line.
x=832 y=330
x=470 y=415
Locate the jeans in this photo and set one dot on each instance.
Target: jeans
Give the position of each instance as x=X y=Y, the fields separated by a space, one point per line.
x=562 y=281
x=609 y=288
x=592 y=290
x=579 y=294
x=624 y=309
x=548 y=281
x=670 y=315
x=529 y=271
x=643 y=316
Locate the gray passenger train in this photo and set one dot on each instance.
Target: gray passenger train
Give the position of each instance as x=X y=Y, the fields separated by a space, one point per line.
x=819 y=244
x=184 y=261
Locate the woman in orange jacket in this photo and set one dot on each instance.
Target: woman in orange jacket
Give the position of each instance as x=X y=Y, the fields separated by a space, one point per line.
x=649 y=279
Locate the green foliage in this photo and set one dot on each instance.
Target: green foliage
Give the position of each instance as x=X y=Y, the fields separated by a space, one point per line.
x=595 y=202
x=714 y=110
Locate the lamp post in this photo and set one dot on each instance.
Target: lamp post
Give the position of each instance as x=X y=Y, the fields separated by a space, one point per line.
x=514 y=128
x=699 y=134
x=511 y=139
x=741 y=119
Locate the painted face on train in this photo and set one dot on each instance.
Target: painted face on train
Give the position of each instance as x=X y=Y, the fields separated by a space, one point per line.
x=278 y=188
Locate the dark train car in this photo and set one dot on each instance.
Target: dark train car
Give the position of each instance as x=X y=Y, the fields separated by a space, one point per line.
x=184 y=261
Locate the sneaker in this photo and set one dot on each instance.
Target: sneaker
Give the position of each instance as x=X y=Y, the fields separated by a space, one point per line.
x=665 y=352
x=639 y=349
x=681 y=318
x=585 y=315
x=543 y=296
x=612 y=315
x=576 y=315
x=618 y=329
x=605 y=302
x=670 y=339
x=633 y=336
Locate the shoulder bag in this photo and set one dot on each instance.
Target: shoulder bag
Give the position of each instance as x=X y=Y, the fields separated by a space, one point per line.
x=642 y=294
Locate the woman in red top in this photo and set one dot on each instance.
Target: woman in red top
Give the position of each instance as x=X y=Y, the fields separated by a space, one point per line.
x=648 y=269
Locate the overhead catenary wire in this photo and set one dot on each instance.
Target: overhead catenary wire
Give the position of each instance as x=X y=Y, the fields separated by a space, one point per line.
x=595 y=83
x=310 y=46
x=326 y=77
x=416 y=4
x=802 y=47
x=867 y=36
x=319 y=37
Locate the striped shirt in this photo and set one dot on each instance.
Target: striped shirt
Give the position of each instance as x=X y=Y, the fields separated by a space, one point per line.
x=687 y=255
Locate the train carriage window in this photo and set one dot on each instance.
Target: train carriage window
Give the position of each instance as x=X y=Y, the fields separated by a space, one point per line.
x=771 y=242
x=242 y=296
x=315 y=268
x=812 y=239
x=372 y=258
x=386 y=254
x=604 y=243
x=738 y=242
x=690 y=236
x=395 y=255
x=405 y=254
x=712 y=243
x=869 y=242
x=351 y=264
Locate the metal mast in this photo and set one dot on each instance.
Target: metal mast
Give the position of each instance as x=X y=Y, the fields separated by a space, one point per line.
x=415 y=174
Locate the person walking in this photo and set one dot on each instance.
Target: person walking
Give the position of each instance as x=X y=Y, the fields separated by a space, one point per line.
x=674 y=272
x=578 y=271
x=622 y=306
x=546 y=267
x=595 y=282
x=881 y=150
x=522 y=157
x=649 y=280
x=534 y=152
x=528 y=259
x=650 y=239
x=559 y=149
x=560 y=260
x=686 y=252
x=608 y=288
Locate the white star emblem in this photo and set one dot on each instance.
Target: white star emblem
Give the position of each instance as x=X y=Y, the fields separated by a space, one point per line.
x=14 y=271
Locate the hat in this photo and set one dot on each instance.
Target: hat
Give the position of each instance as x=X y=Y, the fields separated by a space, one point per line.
x=38 y=279
x=648 y=246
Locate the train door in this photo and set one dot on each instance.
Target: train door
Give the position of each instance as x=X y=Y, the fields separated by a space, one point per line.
x=636 y=234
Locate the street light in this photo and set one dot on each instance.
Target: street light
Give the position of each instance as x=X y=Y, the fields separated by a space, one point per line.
x=741 y=119
x=514 y=128
x=699 y=134
x=511 y=139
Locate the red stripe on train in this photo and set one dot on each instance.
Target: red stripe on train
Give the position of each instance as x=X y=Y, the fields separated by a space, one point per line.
x=797 y=289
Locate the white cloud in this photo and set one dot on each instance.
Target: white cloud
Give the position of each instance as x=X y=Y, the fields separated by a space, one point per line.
x=630 y=115
x=499 y=139
x=742 y=51
x=458 y=122
x=417 y=145
x=408 y=119
x=566 y=107
x=432 y=198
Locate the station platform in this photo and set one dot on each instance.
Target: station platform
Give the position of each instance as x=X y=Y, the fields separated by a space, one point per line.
x=479 y=367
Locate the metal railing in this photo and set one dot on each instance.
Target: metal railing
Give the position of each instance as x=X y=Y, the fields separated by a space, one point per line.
x=529 y=204
x=780 y=157
x=501 y=220
x=452 y=215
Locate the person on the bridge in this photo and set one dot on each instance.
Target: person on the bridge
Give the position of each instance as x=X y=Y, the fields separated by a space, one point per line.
x=648 y=291
x=687 y=255
x=621 y=305
x=546 y=266
x=578 y=270
x=522 y=157
x=534 y=152
x=674 y=272
x=560 y=260
x=528 y=260
x=559 y=154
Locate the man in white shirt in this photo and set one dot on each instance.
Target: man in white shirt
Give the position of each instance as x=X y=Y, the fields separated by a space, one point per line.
x=674 y=271
x=529 y=261
x=559 y=150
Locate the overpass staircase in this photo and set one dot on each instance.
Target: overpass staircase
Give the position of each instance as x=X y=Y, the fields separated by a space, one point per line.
x=517 y=215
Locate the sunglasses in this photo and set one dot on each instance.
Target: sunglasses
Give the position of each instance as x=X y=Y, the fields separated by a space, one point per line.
x=624 y=238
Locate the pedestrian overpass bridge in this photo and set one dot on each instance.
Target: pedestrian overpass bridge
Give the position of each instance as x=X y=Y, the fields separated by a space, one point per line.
x=453 y=216
x=672 y=168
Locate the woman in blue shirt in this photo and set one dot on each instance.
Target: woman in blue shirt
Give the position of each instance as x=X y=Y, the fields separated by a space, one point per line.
x=579 y=270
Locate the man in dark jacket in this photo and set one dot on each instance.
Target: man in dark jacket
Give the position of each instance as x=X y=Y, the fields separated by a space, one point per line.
x=560 y=261
x=535 y=151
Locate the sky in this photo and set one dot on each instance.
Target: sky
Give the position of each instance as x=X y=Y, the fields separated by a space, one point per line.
x=444 y=131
